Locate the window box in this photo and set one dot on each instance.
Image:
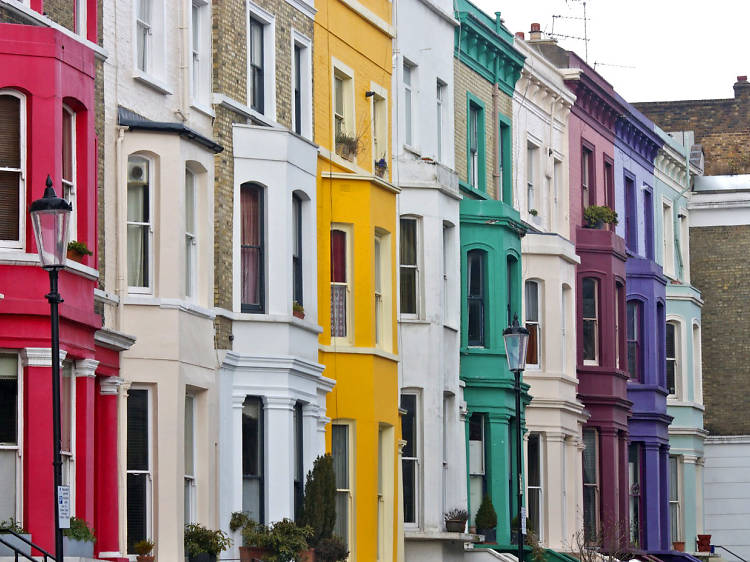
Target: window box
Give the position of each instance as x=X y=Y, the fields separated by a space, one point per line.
x=73 y=547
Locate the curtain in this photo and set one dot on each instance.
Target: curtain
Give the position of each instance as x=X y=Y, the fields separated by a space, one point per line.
x=138 y=236
x=251 y=243
x=10 y=157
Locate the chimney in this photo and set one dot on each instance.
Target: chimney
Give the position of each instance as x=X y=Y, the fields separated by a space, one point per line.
x=742 y=88
x=536 y=32
x=520 y=35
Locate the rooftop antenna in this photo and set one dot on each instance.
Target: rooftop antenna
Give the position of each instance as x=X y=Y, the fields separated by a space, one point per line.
x=585 y=37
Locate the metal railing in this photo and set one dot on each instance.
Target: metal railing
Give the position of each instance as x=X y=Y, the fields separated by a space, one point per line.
x=729 y=551
x=17 y=552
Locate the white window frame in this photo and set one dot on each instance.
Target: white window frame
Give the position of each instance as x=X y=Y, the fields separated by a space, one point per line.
x=415 y=459
x=19 y=446
x=533 y=178
x=143 y=27
x=409 y=99
x=69 y=457
x=269 y=58
x=200 y=54
x=154 y=59
x=69 y=188
x=149 y=288
x=536 y=323
x=697 y=362
x=190 y=478
x=679 y=501
x=679 y=346
x=350 y=491
x=440 y=100
x=305 y=44
x=473 y=171
x=586 y=154
x=378 y=286
x=417 y=267
x=379 y=129
x=19 y=244
x=668 y=238
x=480 y=453
x=682 y=216
x=191 y=237
x=597 y=484
x=382 y=289
x=349 y=284
x=540 y=487
x=81 y=14
x=149 y=472
x=597 y=308
x=346 y=75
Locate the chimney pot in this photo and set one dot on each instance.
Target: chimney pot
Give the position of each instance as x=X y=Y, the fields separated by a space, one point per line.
x=536 y=27
x=742 y=79
x=535 y=34
x=520 y=35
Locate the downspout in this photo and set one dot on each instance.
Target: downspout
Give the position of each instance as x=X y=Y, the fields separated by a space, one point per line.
x=120 y=219
x=182 y=112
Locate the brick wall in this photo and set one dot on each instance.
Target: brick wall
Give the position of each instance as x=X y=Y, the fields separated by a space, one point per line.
x=722 y=278
x=466 y=80
x=62 y=12
x=6 y=16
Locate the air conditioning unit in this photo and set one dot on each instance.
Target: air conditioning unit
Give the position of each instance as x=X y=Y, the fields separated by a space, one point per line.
x=137 y=172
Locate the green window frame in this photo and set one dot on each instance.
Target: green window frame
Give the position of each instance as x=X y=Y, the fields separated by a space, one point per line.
x=505 y=160
x=476 y=152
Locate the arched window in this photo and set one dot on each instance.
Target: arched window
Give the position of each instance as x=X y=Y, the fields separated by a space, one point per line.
x=252 y=247
x=533 y=323
x=475 y=296
x=634 y=339
x=674 y=359
x=139 y=224
x=12 y=168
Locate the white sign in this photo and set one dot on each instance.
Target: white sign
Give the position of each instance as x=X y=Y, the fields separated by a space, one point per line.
x=63 y=506
x=523 y=520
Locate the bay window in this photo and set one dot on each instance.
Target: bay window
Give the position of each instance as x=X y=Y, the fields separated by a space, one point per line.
x=590 y=307
x=591 y=485
x=139 y=467
x=409 y=266
x=69 y=167
x=634 y=338
x=139 y=226
x=340 y=282
x=253 y=449
x=410 y=457
x=533 y=351
x=10 y=459
x=252 y=247
x=12 y=168
x=475 y=297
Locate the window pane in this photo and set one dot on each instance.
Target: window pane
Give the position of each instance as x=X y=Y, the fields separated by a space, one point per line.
x=589 y=513
x=589 y=457
x=341 y=528
x=410 y=476
x=67 y=146
x=10 y=187
x=408 y=290
x=671 y=341
x=252 y=457
x=408 y=245
x=8 y=400
x=66 y=407
x=189 y=435
x=534 y=459
x=589 y=298
x=137 y=508
x=476 y=322
x=189 y=202
x=408 y=424
x=532 y=301
x=475 y=274
x=251 y=246
x=338 y=256
x=532 y=349
x=338 y=93
x=138 y=444
x=8 y=490
x=338 y=311
x=10 y=132
x=589 y=339
x=340 y=453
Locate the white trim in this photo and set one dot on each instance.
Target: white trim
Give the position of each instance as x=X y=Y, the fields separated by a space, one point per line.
x=303 y=7
x=39 y=356
x=21 y=170
x=269 y=57
x=358 y=350
x=306 y=85
x=150 y=185
x=19 y=446
x=151 y=82
x=371 y=17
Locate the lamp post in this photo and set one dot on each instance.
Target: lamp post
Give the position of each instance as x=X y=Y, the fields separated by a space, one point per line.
x=50 y=217
x=516 y=340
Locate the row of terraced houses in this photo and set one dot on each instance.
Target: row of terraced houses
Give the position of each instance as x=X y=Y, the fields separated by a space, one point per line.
x=311 y=221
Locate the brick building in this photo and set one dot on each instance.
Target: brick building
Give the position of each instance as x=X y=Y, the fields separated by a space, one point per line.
x=719 y=238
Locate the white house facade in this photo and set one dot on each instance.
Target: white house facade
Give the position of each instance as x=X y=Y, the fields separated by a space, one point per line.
x=554 y=418
x=158 y=232
x=433 y=412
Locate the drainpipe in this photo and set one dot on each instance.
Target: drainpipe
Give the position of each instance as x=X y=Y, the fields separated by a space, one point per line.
x=120 y=219
x=495 y=135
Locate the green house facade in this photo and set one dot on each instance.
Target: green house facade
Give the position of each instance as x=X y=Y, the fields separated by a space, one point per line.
x=486 y=69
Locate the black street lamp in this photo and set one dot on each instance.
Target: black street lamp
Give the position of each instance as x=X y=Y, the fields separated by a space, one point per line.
x=50 y=217
x=516 y=340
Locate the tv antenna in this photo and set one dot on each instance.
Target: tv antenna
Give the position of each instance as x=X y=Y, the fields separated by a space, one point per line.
x=585 y=37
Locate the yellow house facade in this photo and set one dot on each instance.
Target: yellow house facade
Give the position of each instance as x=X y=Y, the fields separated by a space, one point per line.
x=357 y=231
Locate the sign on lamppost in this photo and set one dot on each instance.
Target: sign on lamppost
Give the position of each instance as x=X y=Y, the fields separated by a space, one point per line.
x=63 y=506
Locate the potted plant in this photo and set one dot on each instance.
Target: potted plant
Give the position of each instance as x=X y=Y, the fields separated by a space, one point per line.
x=76 y=250
x=202 y=544
x=679 y=546
x=455 y=520
x=283 y=541
x=347 y=146
x=143 y=550
x=533 y=212
x=486 y=520
x=298 y=310
x=704 y=543
x=596 y=215
x=78 y=539
x=11 y=525
x=381 y=167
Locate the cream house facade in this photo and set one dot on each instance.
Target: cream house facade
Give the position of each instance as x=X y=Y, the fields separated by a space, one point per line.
x=541 y=105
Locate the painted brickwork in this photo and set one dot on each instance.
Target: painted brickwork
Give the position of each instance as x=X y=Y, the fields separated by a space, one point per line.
x=466 y=80
x=722 y=279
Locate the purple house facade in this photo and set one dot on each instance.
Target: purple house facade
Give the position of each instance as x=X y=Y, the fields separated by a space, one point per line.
x=636 y=146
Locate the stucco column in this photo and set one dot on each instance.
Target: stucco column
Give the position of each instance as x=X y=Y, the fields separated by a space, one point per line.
x=37 y=447
x=279 y=436
x=576 y=486
x=690 y=509
x=650 y=496
x=496 y=472
x=554 y=511
x=313 y=433
x=236 y=499
x=85 y=374
x=105 y=469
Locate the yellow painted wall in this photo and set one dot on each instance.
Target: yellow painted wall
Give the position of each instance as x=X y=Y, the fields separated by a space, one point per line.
x=366 y=390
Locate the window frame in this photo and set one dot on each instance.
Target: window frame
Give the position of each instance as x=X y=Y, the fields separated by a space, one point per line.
x=668 y=238
x=504 y=158
x=595 y=485
x=261 y=460
x=415 y=459
x=190 y=477
x=149 y=472
x=631 y=213
x=345 y=74
x=19 y=442
x=441 y=89
x=648 y=222
x=697 y=353
x=348 y=338
x=69 y=457
x=677 y=459
x=535 y=325
x=379 y=127
x=148 y=226
x=635 y=495
x=350 y=490
x=298 y=274
x=480 y=455
x=199 y=69
x=539 y=488
x=260 y=307
x=634 y=338
x=69 y=187
x=475 y=157
x=81 y=18
x=144 y=27
x=267 y=23
x=609 y=182
x=298 y=483
x=588 y=175
x=481 y=298
x=378 y=288
x=597 y=311
x=304 y=74
x=676 y=324
x=532 y=178
x=21 y=170
x=416 y=267
x=191 y=238
x=408 y=69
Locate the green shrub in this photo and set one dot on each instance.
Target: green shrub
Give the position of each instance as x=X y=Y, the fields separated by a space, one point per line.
x=331 y=550
x=486 y=517
x=319 y=504
x=12 y=524
x=595 y=215
x=79 y=531
x=144 y=547
x=284 y=539
x=200 y=539
x=79 y=247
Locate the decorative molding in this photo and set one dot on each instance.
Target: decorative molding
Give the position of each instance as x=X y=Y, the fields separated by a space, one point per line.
x=303 y=7
x=110 y=386
x=728 y=440
x=371 y=17
x=39 y=356
x=112 y=339
x=380 y=182
x=358 y=350
x=85 y=368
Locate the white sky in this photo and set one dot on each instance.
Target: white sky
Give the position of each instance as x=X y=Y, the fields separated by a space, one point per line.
x=680 y=49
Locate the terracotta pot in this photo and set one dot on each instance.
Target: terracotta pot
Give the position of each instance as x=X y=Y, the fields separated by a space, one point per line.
x=75 y=256
x=307 y=555
x=299 y=314
x=252 y=553
x=455 y=525
x=679 y=546
x=380 y=172
x=704 y=543
x=145 y=558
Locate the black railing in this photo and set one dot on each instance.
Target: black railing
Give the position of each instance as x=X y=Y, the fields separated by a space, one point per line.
x=729 y=551
x=17 y=552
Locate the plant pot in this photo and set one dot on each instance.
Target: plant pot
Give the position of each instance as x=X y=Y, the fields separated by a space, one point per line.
x=455 y=525
x=345 y=151
x=73 y=547
x=380 y=172
x=299 y=314
x=16 y=542
x=145 y=558
x=490 y=535
x=252 y=553
x=307 y=555
x=75 y=256
x=704 y=543
x=679 y=546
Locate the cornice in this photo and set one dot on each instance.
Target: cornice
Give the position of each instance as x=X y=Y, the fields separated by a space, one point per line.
x=594 y=103
x=39 y=356
x=642 y=141
x=530 y=88
x=670 y=165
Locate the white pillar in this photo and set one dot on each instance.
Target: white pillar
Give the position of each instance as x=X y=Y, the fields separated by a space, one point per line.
x=279 y=469
x=235 y=501
x=313 y=434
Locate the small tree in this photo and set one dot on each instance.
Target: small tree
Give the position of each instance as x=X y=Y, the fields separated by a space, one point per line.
x=486 y=517
x=319 y=505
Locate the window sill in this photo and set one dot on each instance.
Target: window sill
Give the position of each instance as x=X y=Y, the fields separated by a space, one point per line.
x=413 y=149
x=465 y=187
x=346 y=348
x=412 y=320
x=204 y=109
x=151 y=82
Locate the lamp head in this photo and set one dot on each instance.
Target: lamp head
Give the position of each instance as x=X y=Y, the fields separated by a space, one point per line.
x=516 y=340
x=50 y=217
